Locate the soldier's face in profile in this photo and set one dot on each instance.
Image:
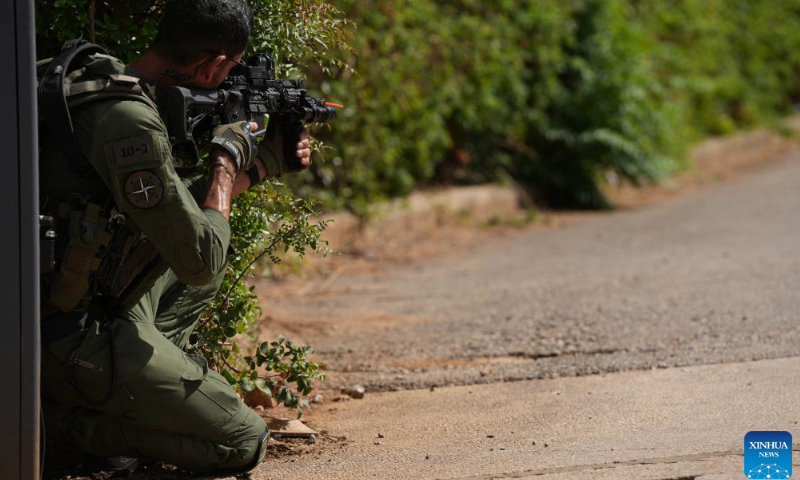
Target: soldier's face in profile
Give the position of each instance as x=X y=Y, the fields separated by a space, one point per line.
x=213 y=71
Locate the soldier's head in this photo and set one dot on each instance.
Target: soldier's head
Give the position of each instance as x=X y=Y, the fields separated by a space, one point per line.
x=204 y=39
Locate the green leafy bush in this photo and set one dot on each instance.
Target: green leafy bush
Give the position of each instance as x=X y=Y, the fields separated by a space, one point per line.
x=733 y=63
x=265 y=221
x=558 y=93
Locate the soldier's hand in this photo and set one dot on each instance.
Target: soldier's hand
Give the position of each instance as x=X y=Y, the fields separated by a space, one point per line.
x=303 y=148
x=286 y=148
x=237 y=140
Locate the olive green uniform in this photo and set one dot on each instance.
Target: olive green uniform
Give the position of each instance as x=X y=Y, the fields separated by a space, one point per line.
x=165 y=404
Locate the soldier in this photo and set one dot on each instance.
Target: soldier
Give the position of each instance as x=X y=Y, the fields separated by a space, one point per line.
x=142 y=252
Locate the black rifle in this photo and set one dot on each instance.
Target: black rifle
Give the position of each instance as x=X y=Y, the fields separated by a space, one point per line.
x=249 y=94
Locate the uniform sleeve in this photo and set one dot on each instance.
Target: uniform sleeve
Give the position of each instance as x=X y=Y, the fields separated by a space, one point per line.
x=131 y=151
x=198 y=187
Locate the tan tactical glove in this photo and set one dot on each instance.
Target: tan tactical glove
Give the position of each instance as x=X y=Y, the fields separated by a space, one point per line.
x=238 y=141
x=279 y=149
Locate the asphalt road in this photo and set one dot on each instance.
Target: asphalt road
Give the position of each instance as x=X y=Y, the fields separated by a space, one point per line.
x=711 y=277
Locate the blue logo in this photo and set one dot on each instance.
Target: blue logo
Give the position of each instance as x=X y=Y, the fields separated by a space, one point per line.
x=768 y=455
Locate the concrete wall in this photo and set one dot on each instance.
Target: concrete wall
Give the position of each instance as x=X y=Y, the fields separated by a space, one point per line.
x=19 y=340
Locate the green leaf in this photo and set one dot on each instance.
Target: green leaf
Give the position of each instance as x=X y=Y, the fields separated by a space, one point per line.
x=247 y=385
x=229 y=376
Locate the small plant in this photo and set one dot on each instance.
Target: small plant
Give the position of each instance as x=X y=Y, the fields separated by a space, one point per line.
x=285 y=364
x=269 y=221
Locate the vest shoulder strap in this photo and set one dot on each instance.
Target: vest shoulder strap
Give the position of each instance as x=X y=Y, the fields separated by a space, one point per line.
x=53 y=107
x=109 y=87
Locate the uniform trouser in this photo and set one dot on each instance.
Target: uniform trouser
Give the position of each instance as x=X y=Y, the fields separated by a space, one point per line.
x=166 y=405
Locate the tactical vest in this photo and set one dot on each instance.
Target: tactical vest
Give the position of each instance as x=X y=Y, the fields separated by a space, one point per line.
x=97 y=251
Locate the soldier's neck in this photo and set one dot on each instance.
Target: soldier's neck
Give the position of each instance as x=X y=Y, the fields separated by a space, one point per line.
x=155 y=71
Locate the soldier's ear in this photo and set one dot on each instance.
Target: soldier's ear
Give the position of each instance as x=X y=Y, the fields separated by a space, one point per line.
x=209 y=70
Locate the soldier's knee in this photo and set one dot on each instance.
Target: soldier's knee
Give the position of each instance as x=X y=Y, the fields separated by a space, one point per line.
x=251 y=445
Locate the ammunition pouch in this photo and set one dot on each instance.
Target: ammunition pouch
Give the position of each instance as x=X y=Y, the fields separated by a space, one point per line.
x=99 y=252
x=130 y=267
x=85 y=236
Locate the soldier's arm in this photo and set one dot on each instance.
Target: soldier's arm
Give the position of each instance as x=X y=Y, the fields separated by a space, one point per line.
x=199 y=185
x=131 y=151
x=220 y=183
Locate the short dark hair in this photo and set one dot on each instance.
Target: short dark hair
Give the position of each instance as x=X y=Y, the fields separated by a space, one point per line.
x=190 y=30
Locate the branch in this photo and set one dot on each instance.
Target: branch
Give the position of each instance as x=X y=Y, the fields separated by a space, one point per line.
x=225 y=361
x=254 y=260
x=92 y=10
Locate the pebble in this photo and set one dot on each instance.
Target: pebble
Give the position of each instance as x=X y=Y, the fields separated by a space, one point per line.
x=318 y=398
x=356 y=391
x=312 y=439
x=380 y=435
